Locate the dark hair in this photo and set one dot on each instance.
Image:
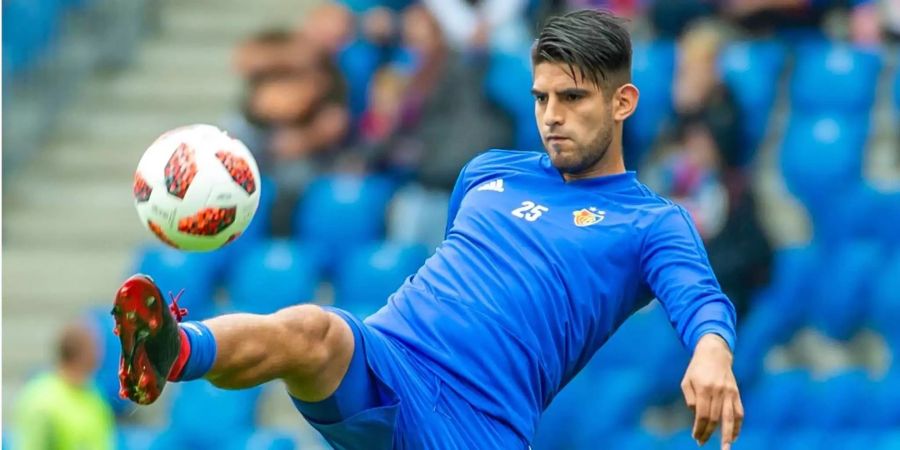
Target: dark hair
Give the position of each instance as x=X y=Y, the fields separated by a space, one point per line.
x=594 y=42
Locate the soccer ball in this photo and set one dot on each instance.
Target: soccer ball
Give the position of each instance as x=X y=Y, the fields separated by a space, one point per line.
x=196 y=188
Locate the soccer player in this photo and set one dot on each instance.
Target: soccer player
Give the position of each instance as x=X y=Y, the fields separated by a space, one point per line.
x=545 y=255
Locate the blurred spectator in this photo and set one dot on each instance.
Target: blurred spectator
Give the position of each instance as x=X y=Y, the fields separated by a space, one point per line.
x=801 y=19
x=476 y=25
x=689 y=170
x=446 y=120
x=671 y=18
x=273 y=50
x=329 y=26
x=699 y=93
x=62 y=410
x=892 y=19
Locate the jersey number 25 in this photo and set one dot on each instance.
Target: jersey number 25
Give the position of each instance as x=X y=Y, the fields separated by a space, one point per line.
x=530 y=211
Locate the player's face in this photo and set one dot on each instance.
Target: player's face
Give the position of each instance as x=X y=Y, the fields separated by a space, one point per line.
x=574 y=117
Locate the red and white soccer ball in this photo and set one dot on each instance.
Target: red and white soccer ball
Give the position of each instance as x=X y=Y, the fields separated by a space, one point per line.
x=196 y=188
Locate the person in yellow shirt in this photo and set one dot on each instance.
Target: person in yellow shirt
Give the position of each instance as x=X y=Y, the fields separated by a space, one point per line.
x=62 y=409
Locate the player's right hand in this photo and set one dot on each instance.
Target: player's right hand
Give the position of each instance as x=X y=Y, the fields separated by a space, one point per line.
x=711 y=391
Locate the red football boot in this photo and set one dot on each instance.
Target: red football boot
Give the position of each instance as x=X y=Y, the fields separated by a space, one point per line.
x=150 y=337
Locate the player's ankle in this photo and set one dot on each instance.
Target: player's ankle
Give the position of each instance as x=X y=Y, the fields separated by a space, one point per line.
x=196 y=354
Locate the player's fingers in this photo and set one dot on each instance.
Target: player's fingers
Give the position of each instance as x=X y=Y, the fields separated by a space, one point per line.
x=701 y=416
x=690 y=398
x=715 y=413
x=738 y=416
x=727 y=423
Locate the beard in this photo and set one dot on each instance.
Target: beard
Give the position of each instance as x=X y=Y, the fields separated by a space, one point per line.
x=573 y=158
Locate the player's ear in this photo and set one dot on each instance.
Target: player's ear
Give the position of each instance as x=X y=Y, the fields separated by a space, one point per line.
x=625 y=101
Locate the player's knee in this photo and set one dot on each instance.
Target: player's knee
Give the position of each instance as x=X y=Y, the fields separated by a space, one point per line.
x=313 y=335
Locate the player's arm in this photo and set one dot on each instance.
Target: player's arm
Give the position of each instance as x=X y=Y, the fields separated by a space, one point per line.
x=676 y=268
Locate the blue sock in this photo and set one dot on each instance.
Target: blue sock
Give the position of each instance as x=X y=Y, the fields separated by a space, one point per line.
x=203 y=350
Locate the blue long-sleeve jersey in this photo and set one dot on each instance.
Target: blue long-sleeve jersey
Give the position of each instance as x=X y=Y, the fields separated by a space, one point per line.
x=536 y=273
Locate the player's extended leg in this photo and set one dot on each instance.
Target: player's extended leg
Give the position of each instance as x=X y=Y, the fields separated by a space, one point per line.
x=306 y=346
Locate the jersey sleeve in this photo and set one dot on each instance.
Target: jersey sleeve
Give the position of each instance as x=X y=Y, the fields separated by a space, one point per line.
x=456 y=196
x=677 y=270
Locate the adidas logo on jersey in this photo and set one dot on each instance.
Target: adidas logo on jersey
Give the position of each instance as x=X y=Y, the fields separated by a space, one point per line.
x=495 y=185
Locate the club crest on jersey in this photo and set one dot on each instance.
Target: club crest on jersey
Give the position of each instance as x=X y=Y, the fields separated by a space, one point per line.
x=588 y=216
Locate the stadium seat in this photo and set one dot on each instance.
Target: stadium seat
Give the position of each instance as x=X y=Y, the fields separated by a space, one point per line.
x=25 y=31
x=885 y=302
x=204 y=416
x=633 y=439
x=751 y=70
x=653 y=66
x=767 y=401
x=897 y=87
x=592 y=407
x=883 y=402
x=771 y=322
x=820 y=68
x=131 y=437
x=888 y=441
x=833 y=404
x=822 y=155
x=358 y=62
x=338 y=213
x=837 y=304
x=508 y=84
x=261 y=225
x=663 y=354
x=366 y=277
x=806 y=439
x=273 y=275
x=850 y=440
x=174 y=270
x=265 y=439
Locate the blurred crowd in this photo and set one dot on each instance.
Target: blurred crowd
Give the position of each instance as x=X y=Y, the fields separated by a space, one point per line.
x=362 y=115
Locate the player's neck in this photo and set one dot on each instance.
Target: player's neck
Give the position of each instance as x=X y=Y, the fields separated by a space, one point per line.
x=609 y=165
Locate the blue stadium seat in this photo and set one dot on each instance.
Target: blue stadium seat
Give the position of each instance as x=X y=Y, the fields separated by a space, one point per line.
x=338 y=213
x=358 y=62
x=662 y=354
x=848 y=440
x=508 y=84
x=204 y=416
x=888 y=441
x=803 y=439
x=261 y=225
x=837 y=305
x=634 y=439
x=653 y=66
x=273 y=275
x=885 y=301
x=593 y=407
x=897 y=87
x=833 y=404
x=751 y=70
x=369 y=275
x=174 y=270
x=766 y=400
x=882 y=410
x=265 y=439
x=131 y=437
x=29 y=26
x=771 y=322
x=822 y=155
x=820 y=68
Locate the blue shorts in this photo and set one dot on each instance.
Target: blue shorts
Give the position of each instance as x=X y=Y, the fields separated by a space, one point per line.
x=412 y=407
